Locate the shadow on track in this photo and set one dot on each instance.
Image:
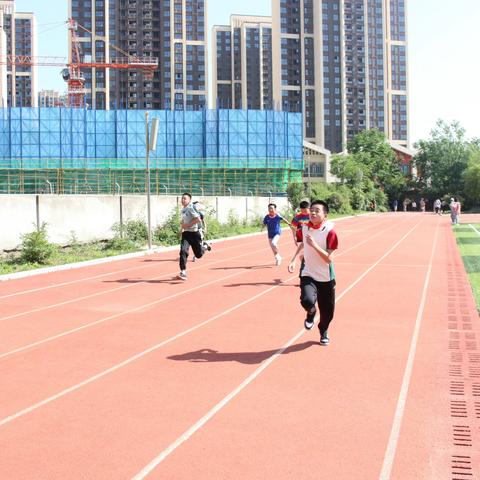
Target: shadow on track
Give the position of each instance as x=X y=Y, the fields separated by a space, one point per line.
x=250 y=358
x=276 y=282
x=171 y=281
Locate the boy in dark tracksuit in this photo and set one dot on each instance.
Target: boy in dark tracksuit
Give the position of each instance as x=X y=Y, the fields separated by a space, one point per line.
x=191 y=236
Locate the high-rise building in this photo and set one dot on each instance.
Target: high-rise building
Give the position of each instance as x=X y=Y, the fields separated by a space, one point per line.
x=171 y=30
x=242 y=63
x=18 y=83
x=344 y=64
x=51 y=98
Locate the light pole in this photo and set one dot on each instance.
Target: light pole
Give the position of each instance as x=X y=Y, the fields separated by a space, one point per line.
x=151 y=144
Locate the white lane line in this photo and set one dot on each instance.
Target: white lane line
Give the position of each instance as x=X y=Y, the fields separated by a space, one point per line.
x=137 y=267
x=166 y=275
x=91 y=324
x=129 y=360
x=472 y=227
x=402 y=398
x=116 y=367
x=141 y=255
x=140 y=282
x=116 y=315
x=200 y=423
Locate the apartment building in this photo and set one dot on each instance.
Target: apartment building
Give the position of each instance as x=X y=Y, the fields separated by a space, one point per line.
x=18 y=83
x=242 y=63
x=174 y=31
x=343 y=63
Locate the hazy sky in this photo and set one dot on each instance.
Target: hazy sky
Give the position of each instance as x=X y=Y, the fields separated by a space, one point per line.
x=444 y=61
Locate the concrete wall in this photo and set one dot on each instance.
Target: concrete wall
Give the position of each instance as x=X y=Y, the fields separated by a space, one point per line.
x=90 y=217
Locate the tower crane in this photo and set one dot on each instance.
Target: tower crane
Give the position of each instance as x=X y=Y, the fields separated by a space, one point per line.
x=72 y=73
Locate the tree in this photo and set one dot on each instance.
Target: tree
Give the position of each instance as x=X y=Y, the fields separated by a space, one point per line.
x=370 y=169
x=295 y=193
x=442 y=160
x=471 y=177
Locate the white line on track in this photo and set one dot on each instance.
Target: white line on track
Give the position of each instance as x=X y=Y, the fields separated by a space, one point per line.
x=97 y=322
x=129 y=360
x=199 y=424
x=84 y=279
x=402 y=398
x=63 y=284
x=472 y=227
x=140 y=282
x=166 y=275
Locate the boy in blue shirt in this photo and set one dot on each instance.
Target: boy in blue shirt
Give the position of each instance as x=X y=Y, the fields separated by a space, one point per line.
x=272 y=221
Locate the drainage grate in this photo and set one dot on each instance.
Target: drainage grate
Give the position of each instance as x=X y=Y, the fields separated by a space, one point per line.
x=456 y=357
x=461 y=467
x=458 y=408
x=462 y=436
x=455 y=370
x=457 y=388
x=476 y=389
x=477 y=409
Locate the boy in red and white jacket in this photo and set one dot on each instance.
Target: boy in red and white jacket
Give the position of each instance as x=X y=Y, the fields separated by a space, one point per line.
x=317 y=278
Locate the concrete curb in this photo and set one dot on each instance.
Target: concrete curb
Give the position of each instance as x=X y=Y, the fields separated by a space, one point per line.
x=126 y=256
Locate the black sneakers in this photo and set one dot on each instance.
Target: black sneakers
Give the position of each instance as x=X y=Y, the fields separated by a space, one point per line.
x=206 y=246
x=324 y=338
x=309 y=321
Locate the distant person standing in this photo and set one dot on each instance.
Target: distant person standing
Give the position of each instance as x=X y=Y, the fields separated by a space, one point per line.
x=414 y=205
x=395 y=205
x=272 y=221
x=455 y=208
x=191 y=237
x=422 y=205
x=437 y=206
x=405 y=203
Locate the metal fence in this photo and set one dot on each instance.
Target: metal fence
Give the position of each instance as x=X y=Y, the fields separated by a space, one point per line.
x=174 y=181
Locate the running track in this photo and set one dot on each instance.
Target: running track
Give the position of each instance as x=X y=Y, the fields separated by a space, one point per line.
x=119 y=371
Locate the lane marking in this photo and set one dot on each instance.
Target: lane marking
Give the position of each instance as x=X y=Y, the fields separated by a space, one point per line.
x=200 y=423
x=84 y=279
x=471 y=226
x=402 y=398
x=140 y=282
x=97 y=322
x=142 y=255
x=135 y=357
x=129 y=360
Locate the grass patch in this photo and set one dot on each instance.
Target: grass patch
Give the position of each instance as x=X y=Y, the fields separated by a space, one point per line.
x=469 y=245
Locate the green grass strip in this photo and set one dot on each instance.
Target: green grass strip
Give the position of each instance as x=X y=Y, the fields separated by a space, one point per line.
x=468 y=241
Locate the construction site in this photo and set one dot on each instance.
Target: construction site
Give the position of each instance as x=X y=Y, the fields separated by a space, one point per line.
x=80 y=150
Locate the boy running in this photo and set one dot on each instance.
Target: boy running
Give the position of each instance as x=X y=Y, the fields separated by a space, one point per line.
x=317 y=279
x=272 y=221
x=190 y=235
x=299 y=220
x=202 y=227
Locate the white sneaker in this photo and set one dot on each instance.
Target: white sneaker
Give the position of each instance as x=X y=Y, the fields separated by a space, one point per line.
x=278 y=260
x=182 y=275
x=194 y=258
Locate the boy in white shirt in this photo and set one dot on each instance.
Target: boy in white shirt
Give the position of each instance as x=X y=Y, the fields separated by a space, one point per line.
x=317 y=279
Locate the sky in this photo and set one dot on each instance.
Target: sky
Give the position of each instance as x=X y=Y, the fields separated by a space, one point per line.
x=443 y=43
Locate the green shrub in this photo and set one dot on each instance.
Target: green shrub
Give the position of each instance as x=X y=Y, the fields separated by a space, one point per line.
x=117 y=243
x=35 y=247
x=133 y=230
x=168 y=233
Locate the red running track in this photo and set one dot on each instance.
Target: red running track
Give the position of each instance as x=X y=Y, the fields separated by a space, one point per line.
x=119 y=371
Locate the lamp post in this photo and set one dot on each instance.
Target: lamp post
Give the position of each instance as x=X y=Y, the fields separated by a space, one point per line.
x=151 y=144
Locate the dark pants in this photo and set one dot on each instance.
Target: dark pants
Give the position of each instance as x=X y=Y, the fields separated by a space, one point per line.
x=321 y=292
x=190 y=239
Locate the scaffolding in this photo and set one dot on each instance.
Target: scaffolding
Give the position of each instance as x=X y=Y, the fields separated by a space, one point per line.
x=210 y=152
